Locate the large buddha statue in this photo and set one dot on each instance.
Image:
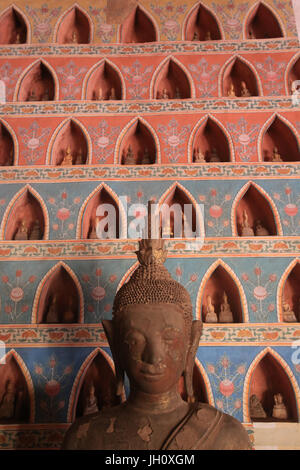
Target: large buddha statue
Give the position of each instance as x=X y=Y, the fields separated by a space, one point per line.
x=154 y=339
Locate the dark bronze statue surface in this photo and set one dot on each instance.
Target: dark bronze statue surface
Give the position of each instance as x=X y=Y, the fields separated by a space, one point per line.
x=154 y=339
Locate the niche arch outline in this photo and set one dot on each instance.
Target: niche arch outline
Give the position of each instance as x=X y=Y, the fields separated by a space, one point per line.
x=36 y=301
x=207 y=384
x=24 y=17
x=280 y=288
x=150 y=16
x=27 y=70
x=12 y=202
x=64 y=14
x=160 y=66
x=27 y=378
x=206 y=277
x=264 y=129
x=115 y=197
x=13 y=135
x=93 y=69
x=251 y=67
x=237 y=200
x=250 y=371
x=122 y=135
x=189 y=13
x=79 y=379
x=269 y=7
x=61 y=125
x=194 y=132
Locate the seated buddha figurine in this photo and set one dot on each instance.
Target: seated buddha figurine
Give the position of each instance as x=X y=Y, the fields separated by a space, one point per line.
x=244 y=90
x=214 y=157
x=247 y=231
x=276 y=157
x=146 y=159
x=22 y=232
x=112 y=95
x=287 y=313
x=91 y=402
x=8 y=402
x=256 y=408
x=35 y=233
x=154 y=339
x=198 y=156
x=279 y=408
x=260 y=229
x=211 y=316
x=128 y=157
x=226 y=315
x=231 y=91
x=68 y=158
x=53 y=311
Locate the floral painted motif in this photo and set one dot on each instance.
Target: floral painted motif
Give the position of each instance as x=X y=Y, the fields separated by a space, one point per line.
x=289 y=209
x=272 y=73
x=99 y=290
x=137 y=77
x=62 y=210
x=245 y=137
x=174 y=137
x=205 y=77
x=52 y=378
x=9 y=75
x=14 y=305
x=217 y=221
x=188 y=280
x=232 y=14
x=103 y=138
x=42 y=21
x=260 y=290
x=71 y=77
x=285 y=7
x=34 y=139
x=169 y=15
x=104 y=31
x=227 y=380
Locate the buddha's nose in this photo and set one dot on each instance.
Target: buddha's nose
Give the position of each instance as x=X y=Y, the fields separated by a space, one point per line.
x=153 y=352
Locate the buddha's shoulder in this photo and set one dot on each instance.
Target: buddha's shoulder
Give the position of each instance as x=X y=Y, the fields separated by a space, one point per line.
x=214 y=430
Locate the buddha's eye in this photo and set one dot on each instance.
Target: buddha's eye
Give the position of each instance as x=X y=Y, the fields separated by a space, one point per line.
x=134 y=340
x=170 y=334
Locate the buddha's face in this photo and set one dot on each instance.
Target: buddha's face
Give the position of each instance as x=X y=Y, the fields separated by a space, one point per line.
x=153 y=346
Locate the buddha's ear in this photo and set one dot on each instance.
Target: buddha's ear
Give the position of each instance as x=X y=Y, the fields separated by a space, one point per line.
x=110 y=332
x=196 y=331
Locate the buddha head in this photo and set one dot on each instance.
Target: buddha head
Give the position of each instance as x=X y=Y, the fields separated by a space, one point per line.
x=152 y=335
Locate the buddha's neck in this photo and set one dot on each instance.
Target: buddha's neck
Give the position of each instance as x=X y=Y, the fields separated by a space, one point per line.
x=155 y=404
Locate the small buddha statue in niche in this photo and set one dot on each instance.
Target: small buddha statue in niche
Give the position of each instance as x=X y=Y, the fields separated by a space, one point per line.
x=276 y=157
x=214 y=157
x=18 y=38
x=32 y=96
x=167 y=229
x=198 y=156
x=165 y=94
x=247 y=231
x=46 y=95
x=287 y=313
x=53 y=311
x=207 y=36
x=225 y=315
x=79 y=157
x=35 y=233
x=256 y=408
x=68 y=315
x=211 y=316
x=99 y=96
x=8 y=402
x=231 y=91
x=129 y=158
x=146 y=159
x=260 y=230
x=74 y=37
x=93 y=229
x=22 y=232
x=112 y=95
x=154 y=338
x=91 y=402
x=177 y=94
x=244 y=90
x=68 y=158
x=279 y=409
x=196 y=36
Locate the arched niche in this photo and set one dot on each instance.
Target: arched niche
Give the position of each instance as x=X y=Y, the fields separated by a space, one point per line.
x=210 y=143
x=74 y=28
x=202 y=25
x=253 y=207
x=290 y=293
x=218 y=283
x=25 y=219
x=267 y=379
x=104 y=83
x=262 y=23
x=90 y=217
x=171 y=82
x=239 y=80
x=176 y=220
x=15 y=403
x=7 y=152
x=37 y=84
x=199 y=387
x=59 y=299
x=279 y=143
x=138 y=27
x=70 y=145
x=98 y=387
x=13 y=28
x=138 y=145
x=293 y=74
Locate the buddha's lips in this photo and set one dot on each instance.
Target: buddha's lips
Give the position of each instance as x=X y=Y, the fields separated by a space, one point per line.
x=151 y=371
